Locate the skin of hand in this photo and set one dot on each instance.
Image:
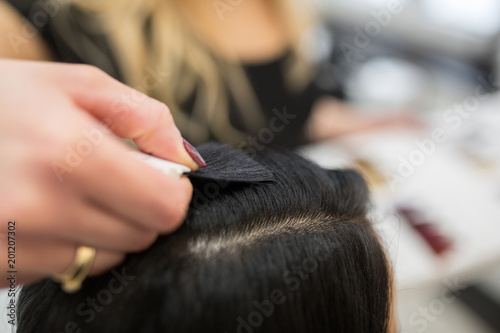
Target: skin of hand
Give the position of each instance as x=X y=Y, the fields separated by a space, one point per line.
x=331 y=118
x=68 y=180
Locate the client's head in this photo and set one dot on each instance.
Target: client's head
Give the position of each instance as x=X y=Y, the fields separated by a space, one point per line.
x=272 y=243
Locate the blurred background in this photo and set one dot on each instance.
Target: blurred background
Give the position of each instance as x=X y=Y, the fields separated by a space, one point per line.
x=436 y=191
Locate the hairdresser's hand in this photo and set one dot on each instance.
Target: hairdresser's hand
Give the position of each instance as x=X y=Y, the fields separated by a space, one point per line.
x=67 y=181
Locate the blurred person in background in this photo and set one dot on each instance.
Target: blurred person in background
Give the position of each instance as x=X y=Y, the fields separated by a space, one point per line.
x=226 y=69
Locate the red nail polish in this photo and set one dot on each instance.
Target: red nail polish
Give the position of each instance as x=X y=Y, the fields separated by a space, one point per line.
x=194 y=154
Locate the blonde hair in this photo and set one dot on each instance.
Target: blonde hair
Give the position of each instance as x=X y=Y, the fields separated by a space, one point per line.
x=193 y=66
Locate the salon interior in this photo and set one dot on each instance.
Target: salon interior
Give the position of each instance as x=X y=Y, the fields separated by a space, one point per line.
x=435 y=189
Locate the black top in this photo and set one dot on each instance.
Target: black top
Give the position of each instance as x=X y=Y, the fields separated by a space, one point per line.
x=267 y=79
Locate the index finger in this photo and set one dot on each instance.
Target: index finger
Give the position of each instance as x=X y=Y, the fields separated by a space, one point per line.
x=127 y=112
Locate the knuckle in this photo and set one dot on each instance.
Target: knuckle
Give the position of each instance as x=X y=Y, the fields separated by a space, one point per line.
x=185 y=191
x=179 y=213
x=172 y=212
x=165 y=110
x=160 y=111
x=181 y=203
x=164 y=213
x=87 y=74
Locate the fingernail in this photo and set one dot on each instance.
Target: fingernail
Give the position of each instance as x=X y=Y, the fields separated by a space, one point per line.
x=194 y=154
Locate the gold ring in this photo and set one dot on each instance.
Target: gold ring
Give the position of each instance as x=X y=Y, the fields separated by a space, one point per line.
x=71 y=280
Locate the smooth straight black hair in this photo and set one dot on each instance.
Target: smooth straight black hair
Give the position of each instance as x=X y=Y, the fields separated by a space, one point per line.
x=271 y=243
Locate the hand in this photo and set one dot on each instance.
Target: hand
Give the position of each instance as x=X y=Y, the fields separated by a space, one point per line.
x=331 y=118
x=67 y=181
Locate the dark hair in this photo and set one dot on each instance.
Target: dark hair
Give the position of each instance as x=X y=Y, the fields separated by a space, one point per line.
x=284 y=246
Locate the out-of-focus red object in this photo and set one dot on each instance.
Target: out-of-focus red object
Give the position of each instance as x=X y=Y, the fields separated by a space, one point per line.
x=438 y=242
